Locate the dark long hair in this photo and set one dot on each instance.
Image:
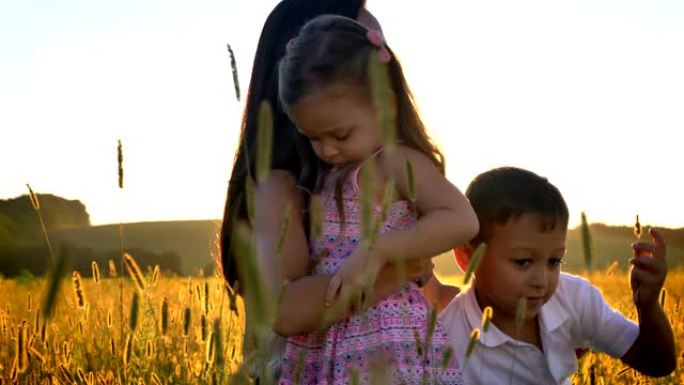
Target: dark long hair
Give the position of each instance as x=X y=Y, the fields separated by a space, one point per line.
x=291 y=151
x=332 y=50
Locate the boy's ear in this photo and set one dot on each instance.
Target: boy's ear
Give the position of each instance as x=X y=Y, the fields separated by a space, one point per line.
x=463 y=254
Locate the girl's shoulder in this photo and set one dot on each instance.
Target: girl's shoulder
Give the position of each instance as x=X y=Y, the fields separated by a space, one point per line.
x=396 y=159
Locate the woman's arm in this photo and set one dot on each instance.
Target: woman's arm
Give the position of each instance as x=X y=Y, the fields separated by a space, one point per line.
x=301 y=303
x=438 y=294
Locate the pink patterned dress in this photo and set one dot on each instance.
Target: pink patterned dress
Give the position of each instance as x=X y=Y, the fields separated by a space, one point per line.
x=382 y=336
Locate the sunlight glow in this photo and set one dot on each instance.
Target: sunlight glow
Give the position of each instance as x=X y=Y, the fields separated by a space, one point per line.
x=587 y=93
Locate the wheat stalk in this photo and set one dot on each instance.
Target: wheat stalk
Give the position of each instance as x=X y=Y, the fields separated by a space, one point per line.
x=78 y=289
x=474 y=337
x=637 y=229
x=133 y=313
x=586 y=242
x=233 y=67
x=35 y=203
x=474 y=263
x=120 y=174
x=264 y=141
x=135 y=272
x=55 y=282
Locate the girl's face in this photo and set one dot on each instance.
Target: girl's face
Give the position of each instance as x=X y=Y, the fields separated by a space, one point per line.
x=340 y=122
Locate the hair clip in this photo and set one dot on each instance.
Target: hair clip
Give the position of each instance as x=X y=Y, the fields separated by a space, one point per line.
x=375 y=37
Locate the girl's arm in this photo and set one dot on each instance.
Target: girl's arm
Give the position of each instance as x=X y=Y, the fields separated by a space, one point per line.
x=445 y=220
x=445 y=217
x=301 y=305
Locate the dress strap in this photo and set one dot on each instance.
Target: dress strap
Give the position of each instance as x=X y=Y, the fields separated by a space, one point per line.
x=355 y=173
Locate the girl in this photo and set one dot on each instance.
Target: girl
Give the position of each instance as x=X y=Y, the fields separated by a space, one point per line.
x=325 y=89
x=295 y=168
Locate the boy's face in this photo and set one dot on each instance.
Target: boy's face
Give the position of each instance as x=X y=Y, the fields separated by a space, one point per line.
x=520 y=261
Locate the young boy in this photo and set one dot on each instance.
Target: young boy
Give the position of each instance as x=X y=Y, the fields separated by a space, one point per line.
x=523 y=222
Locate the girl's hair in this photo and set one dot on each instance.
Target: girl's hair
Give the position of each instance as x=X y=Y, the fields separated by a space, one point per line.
x=291 y=151
x=334 y=50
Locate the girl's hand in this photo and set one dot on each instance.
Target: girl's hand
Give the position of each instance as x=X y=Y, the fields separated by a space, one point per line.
x=649 y=269
x=354 y=278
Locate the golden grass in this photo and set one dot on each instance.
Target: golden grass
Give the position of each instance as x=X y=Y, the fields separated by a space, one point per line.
x=81 y=342
x=182 y=337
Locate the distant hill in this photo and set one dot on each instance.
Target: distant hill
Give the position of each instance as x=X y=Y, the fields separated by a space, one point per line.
x=22 y=244
x=19 y=223
x=193 y=241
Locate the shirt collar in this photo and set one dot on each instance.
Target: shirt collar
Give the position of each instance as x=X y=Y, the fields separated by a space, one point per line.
x=552 y=316
x=493 y=337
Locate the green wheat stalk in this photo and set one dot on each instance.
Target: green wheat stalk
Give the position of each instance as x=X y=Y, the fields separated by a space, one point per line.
x=250 y=191
x=381 y=92
x=411 y=182
x=474 y=338
x=368 y=189
x=264 y=141
x=474 y=263
x=586 y=242
x=316 y=216
x=520 y=312
x=256 y=299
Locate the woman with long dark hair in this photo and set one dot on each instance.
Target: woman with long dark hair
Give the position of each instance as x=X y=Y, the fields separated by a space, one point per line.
x=295 y=170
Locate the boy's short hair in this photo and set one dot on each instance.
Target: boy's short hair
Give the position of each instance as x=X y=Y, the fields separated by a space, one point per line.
x=505 y=193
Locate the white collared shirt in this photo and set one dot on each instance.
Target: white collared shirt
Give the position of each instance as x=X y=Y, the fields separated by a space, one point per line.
x=576 y=317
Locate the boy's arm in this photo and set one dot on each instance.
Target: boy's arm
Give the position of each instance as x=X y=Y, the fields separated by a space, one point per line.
x=653 y=352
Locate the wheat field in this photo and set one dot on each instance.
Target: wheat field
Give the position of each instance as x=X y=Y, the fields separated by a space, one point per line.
x=189 y=331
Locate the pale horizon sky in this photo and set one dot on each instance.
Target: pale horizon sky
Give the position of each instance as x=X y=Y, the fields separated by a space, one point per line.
x=589 y=93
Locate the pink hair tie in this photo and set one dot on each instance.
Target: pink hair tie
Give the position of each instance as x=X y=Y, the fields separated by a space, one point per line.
x=375 y=37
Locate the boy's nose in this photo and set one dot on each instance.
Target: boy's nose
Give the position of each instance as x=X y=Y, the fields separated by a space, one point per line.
x=538 y=279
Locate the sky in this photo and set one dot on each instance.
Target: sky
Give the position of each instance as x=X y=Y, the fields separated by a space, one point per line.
x=589 y=93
